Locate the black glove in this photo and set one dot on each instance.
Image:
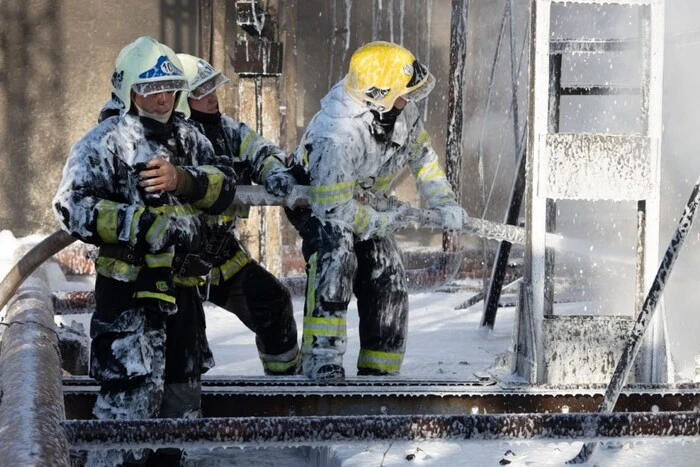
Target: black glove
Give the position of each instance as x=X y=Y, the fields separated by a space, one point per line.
x=280 y=182
x=155 y=289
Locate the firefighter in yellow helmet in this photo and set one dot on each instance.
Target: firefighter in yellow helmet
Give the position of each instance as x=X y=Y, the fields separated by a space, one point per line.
x=368 y=129
x=138 y=186
x=240 y=284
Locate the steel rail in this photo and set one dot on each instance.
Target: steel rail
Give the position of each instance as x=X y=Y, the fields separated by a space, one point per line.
x=291 y=399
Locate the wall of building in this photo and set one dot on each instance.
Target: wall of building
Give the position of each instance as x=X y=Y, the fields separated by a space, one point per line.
x=57 y=57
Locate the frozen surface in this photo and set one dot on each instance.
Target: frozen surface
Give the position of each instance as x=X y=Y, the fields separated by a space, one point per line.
x=442 y=343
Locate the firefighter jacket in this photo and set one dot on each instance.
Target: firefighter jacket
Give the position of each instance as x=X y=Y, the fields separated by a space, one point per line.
x=253 y=158
x=99 y=194
x=346 y=154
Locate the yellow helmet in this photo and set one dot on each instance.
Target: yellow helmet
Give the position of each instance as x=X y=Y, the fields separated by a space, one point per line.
x=381 y=72
x=202 y=77
x=146 y=66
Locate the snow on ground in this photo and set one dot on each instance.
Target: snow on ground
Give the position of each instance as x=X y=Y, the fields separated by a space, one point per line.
x=428 y=354
x=443 y=343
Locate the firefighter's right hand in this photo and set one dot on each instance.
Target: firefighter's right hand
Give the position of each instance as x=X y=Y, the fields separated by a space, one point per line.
x=157 y=175
x=453 y=217
x=394 y=220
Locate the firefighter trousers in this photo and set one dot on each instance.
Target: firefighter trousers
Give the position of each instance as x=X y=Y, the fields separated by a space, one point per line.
x=264 y=305
x=148 y=364
x=339 y=265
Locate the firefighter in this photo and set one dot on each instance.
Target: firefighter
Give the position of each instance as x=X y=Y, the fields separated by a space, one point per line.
x=367 y=130
x=240 y=284
x=137 y=186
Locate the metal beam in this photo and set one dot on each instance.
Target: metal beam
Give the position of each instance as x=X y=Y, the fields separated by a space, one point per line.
x=285 y=431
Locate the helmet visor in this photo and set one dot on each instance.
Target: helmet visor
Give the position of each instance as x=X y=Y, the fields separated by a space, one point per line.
x=422 y=91
x=208 y=87
x=154 y=87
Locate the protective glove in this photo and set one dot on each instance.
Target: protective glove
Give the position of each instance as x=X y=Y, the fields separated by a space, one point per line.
x=280 y=182
x=453 y=217
x=155 y=289
x=391 y=221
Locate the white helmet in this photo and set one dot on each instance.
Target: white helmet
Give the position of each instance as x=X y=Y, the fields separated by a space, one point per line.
x=147 y=67
x=202 y=77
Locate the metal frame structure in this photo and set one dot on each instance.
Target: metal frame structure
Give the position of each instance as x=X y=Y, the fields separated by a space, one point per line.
x=538 y=344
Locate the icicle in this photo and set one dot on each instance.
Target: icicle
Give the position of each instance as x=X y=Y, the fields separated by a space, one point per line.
x=348 y=11
x=334 y=30
x=428 y=21
x=401 y=20
x=376 y=19
x=259 y=22
x=391 y=20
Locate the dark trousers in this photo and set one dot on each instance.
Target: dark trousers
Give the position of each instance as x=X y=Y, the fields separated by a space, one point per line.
x=148 y=364
x=264 y=305
x=338 y=264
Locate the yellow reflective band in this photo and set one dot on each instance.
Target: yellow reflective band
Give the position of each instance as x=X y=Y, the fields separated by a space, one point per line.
x=271 y=163
x=116 y=269
x=359 y=224
x=233 y=265
x=244 y=145
x=382 y=224
x=135 y=222
x=216 y=181
x=107 y=221
x=322 y=327
x=159 y=260
x=280 y=367
x=181 y=210
x=423 y=137
x=325 y=194
x=157 y=296
x=190 y=281
x=383 y=361
x=281 y=363
x=310 y=302
x=321 y=322
x=157 y=229
x=382 y=183
x=215 y=276
x=311 y=288
x=430 y=172
x=441 y=192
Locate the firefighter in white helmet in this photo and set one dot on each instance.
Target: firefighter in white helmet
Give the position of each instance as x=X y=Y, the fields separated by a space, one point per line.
x=137 y=185
x=368 y=129
x=240 y=284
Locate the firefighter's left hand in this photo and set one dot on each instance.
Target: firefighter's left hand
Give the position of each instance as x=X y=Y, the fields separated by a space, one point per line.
x=280 y=182
x=453 y=217
x=159 y=175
